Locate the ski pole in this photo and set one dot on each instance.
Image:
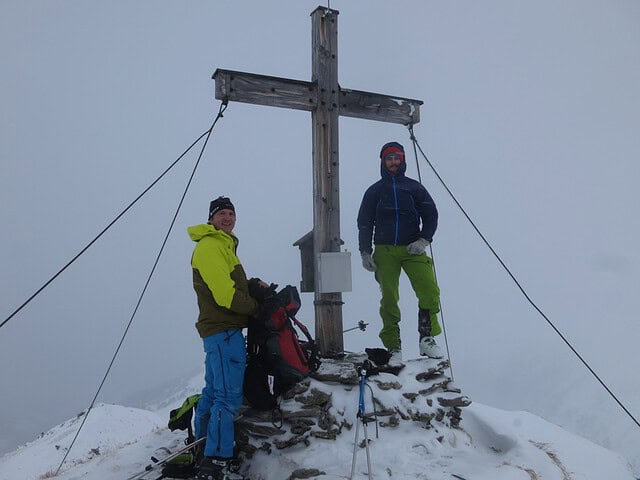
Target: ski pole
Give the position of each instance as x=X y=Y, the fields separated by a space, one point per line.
x=364 y=419
x=361 y=326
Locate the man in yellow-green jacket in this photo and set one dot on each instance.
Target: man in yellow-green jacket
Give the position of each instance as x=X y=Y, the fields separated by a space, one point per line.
x=226 y=300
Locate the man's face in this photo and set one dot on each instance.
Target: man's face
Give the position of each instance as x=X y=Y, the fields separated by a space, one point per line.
x=224 y=219
x=392 y=163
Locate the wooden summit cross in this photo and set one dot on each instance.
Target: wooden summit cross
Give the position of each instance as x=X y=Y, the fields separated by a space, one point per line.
x=326 y=101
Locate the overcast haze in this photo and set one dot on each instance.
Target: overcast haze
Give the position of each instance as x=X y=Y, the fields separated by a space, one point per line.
x=531 y=115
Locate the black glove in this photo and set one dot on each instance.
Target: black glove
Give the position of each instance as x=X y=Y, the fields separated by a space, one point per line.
x=260 y=293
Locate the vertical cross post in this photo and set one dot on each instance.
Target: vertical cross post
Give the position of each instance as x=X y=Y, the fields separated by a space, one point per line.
x=326 y=194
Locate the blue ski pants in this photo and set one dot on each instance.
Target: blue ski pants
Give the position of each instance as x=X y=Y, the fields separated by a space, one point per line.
x=221 y=399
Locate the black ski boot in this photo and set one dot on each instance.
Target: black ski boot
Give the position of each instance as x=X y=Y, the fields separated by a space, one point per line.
x=212 y=468
x=427 y=345
x=424 y=323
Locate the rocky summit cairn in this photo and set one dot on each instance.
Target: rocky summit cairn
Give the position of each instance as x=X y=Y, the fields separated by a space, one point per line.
x=321 y=408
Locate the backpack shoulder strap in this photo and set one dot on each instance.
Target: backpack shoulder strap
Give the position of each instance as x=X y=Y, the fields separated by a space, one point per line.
x=302 y=328
x=313 y=361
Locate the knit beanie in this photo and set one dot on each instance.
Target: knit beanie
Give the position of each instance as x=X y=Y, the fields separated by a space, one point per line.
x=392 y=147
x=219 y=204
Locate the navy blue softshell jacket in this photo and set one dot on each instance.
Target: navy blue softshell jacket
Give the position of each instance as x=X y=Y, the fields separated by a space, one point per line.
x=396 y=210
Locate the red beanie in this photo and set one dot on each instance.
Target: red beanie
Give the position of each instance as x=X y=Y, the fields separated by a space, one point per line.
x=392 y=147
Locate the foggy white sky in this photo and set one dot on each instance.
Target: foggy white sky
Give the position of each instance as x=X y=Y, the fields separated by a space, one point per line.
x=531 y=114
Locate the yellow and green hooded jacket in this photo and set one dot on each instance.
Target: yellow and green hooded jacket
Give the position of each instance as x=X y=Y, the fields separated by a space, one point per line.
x=219 y=281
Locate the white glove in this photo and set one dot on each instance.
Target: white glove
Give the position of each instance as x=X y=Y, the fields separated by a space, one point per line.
x=418 y=247
x=367 y=262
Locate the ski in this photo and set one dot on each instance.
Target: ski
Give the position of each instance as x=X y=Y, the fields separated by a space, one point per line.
x=162 y=462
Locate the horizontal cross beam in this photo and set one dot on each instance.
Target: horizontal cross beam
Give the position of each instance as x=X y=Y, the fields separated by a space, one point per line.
x=264 y=90
x=382 y=108
x=301 y=95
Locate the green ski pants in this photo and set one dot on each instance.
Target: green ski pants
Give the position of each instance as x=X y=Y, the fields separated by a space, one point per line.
x=419 y=269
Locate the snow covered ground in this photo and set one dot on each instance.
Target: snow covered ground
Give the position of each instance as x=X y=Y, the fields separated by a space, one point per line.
x=492 y=444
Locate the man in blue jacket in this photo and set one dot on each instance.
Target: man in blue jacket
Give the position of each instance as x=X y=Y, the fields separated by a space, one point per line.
x=401 y=217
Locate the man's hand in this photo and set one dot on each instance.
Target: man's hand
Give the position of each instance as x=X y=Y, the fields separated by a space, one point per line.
x=367 y=262
x=261 y=290
x=418 y=247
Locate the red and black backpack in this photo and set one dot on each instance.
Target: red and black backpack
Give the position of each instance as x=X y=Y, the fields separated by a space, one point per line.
x=276 y=358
